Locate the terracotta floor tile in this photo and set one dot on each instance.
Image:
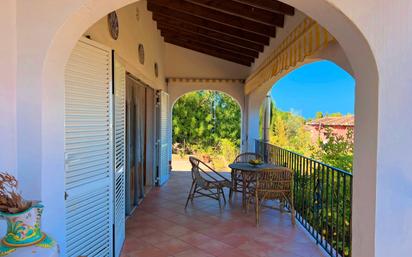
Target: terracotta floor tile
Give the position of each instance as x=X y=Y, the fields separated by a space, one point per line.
x=131 y=245
x=162 y=227
x=234 y=239
x=195 y=238
x=173 y=246
x=176 y=230
x=193 y=253
x=141 y=232
x=215 y=247
x=156 y=237
x=232 y=253
x=150 y=252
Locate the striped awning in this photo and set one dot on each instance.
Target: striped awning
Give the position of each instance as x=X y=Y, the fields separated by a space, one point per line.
x=305 y=40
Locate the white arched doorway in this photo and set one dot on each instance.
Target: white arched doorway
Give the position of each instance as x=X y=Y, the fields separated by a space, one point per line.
x=60 y=38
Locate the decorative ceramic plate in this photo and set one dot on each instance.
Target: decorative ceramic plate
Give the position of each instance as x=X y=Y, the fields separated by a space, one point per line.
x=113 y=25
x=141 y=53
x=156 y=70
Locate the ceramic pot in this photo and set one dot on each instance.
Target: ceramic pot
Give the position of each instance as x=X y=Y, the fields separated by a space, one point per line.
x=23 y=229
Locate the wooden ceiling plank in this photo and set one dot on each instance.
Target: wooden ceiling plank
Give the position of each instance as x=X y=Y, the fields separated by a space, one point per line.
x=211 y=25
x=214 y=15
x=270 y=5
x=209 y=41
x=209 y=51
x=187 y=27
x=244 y=10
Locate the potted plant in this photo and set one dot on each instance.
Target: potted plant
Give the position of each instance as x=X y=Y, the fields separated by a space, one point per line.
x=23 y=218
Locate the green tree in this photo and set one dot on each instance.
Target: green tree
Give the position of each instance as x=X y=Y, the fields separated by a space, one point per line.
x=337 y=150
x=319 y=115
x=202 y=119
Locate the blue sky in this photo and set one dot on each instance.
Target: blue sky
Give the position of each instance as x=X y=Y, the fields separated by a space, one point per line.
x=320 y=86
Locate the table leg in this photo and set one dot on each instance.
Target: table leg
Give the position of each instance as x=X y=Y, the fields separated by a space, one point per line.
x=244 y=191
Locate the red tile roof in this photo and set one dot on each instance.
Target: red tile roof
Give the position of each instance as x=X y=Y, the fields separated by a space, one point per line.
x=348 y=121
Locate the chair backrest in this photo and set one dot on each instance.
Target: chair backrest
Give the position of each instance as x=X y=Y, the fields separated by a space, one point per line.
x=246 y=157
x=203 y=173
x=200 y=181
x=274 y=182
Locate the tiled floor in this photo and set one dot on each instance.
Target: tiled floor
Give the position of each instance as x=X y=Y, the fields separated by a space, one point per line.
x=161 y=227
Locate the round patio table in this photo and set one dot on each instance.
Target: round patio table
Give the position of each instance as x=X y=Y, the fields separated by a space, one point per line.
x=248 y=171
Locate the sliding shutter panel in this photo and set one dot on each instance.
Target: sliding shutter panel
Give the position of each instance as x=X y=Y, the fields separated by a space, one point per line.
x=120 y=158
x=88 y=152
x=163 y=138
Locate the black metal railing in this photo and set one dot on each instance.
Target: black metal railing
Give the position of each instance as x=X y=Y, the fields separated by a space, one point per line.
x=322 y=197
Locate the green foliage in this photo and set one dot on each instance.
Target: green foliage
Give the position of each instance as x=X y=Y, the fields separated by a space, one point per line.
x=337 y=150
x=287 y=131
x=207 y=122
x=335 y=114
x=228 y=149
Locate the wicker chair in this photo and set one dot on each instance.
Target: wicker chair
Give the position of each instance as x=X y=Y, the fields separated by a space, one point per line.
x=237 y=181
x=206 y=182
x=273 y=184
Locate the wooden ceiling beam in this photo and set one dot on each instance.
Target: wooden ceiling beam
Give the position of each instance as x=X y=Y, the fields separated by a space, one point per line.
x=170 y=32
x=166 y=13
x=217 y=16
x=244 y=10
x=187 y=27
x=270 y=5
x=216 y=52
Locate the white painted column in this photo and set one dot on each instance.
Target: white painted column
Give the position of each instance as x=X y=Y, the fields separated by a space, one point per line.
x=266 y=119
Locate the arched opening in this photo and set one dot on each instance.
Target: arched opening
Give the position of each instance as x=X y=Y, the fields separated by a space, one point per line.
x=307 y=121
x=206 y=124
x=50 y=82
x=306 y=96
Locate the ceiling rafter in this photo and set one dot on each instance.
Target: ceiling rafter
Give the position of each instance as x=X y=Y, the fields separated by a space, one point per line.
x=187 y=18
x=218 y=16
x=187 y=27
x=270 y=5
x=208 y=41
x=187 y=43
x=233 y=30
x=244 y=10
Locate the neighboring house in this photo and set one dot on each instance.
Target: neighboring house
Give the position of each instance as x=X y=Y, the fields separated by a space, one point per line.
x=339 y=126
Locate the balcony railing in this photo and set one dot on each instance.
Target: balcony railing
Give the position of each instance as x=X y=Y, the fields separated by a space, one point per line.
x=322 y=197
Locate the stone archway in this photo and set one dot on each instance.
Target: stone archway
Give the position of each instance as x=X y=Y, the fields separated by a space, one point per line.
x=60 y=37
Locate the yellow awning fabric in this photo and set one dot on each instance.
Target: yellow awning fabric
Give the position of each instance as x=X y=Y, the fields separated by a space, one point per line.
x=305 y=40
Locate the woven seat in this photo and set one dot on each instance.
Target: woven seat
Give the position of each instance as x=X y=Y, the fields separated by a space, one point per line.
x=272 y=184
x=206 y=182
x=237 y=180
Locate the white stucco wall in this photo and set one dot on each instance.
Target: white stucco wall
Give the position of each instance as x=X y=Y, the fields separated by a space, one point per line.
x=8 y=62
x=133 y=32
x=368 y=31
x=185 y=63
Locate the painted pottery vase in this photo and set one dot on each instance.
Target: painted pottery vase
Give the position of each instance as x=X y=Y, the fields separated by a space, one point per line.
x=24 y=229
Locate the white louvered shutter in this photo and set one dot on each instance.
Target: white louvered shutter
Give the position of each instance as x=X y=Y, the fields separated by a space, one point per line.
x=163 y=137
x=119 y=154
x=88 y=152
